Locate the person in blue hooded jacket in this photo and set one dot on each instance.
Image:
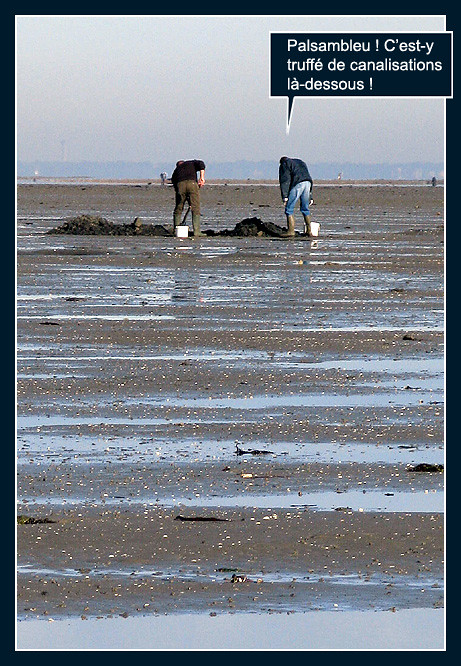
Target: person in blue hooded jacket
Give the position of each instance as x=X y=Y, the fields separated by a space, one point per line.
x=295 y=185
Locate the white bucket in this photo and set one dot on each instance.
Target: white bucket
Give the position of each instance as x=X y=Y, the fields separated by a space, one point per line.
x=315 y=228
x=182 y=231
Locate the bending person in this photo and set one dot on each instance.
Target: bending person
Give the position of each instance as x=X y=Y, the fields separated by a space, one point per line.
x=295 y=184
x=187 y=188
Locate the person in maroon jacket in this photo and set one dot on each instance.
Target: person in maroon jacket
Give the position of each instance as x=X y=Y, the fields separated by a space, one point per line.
x=187 y=188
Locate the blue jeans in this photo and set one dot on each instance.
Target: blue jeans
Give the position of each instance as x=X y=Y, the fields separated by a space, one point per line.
x=300 y=191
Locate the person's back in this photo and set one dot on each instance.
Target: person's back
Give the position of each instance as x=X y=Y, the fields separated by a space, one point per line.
x=187 y=170
x=291 y=172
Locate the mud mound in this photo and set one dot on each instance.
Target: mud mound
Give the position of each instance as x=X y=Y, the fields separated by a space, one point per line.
x=90 y=225
x=252 y=226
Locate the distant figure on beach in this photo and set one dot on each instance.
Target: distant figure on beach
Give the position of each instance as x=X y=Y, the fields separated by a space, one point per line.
x=163 y=177
x=187 y=188
x=434 y=181
x=295 y=184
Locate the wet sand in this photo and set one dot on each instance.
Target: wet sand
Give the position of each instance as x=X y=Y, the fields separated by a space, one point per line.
x=143 y=363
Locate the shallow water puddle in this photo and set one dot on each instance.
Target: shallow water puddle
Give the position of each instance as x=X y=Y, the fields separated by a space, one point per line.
x=46 y=420
x=121 y=317
x=218 y=251
x=43 y=447
x=351 y=500
x=261 y=402
x=414 y=374
x=223 y=575
x=397 y=366
x=331 y=319
x=211 y=355
x=251 y=405
x=420 y=628
x=366 y=328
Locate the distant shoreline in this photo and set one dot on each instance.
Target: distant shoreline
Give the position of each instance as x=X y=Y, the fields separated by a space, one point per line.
x=38 y=180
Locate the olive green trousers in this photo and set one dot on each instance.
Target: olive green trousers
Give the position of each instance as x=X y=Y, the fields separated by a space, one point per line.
x=186 y=190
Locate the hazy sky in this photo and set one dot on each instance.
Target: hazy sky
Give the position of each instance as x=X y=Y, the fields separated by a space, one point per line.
x=155 y=88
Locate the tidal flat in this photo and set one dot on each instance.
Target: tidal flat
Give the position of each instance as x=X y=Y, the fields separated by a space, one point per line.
x=222 y=426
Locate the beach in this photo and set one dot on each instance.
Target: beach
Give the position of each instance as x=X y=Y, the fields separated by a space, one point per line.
x=230 y=425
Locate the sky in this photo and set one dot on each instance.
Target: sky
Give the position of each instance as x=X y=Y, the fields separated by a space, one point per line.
x=161 y=88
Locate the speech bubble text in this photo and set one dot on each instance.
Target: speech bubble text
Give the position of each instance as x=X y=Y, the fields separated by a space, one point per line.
x=360 y=65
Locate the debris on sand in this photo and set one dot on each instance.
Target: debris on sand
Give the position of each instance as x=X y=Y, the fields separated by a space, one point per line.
x=196 y=519
x=426 y=467
x=227 y=570
x=251 y=452
x=94 y=225
x=410 y=336
x=28 y=520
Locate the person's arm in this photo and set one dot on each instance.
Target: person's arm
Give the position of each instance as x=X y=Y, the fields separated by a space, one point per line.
x=200 y=166
x=284 y=180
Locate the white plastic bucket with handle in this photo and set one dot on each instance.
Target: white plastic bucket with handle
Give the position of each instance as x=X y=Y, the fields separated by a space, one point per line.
x=315 y=228
x=182 y=231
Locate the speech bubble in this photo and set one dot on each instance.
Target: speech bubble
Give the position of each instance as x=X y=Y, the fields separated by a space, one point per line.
x=360 y=64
